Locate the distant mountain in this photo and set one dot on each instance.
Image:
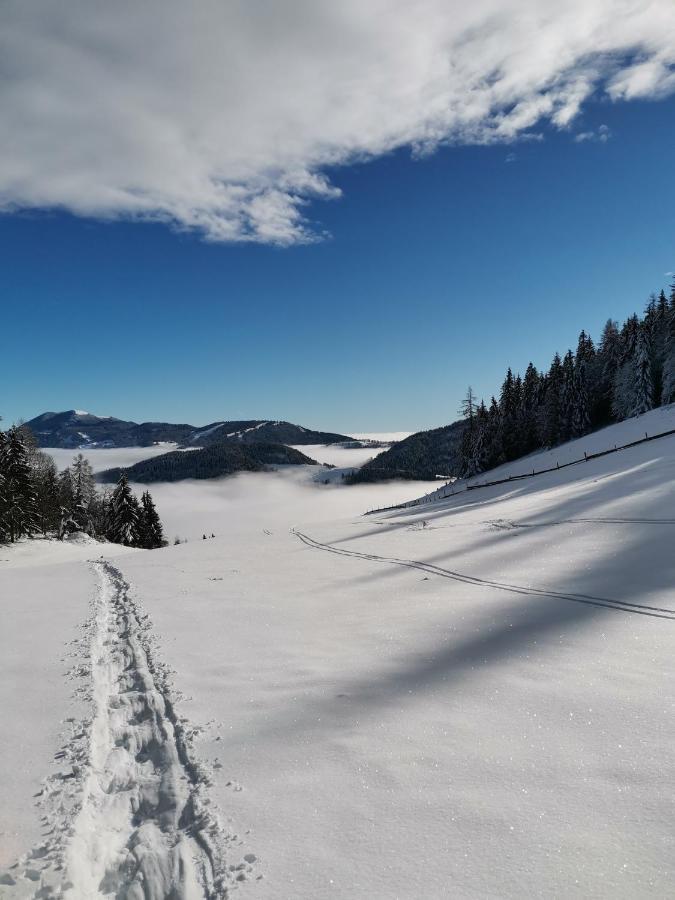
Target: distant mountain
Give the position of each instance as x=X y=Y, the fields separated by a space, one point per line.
x=77 y=428
x=255 y=431
x=423 y=456
x=211 y=462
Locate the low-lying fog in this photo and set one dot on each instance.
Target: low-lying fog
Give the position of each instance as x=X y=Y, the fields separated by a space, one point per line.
x=252 y=502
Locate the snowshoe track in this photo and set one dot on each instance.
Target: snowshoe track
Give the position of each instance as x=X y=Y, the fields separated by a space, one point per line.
x=143 y=829
x=142 y=832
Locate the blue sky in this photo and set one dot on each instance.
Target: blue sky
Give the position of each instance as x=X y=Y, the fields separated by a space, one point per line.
x=436 y=272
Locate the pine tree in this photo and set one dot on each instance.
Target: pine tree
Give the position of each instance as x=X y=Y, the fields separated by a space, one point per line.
x=508 y=409
x=568 y=398
x=552 y=425
x=125 y=514
x=494 y=455
x=581 y=420
x=466 y=449
x=668 y=385
x=82 y=478
x=4 y=532
x=18 y=513
x=48 y=504
x=530 y=409
x=151 y=534
x=628 y=336
x=609 y=360
x=642 y=373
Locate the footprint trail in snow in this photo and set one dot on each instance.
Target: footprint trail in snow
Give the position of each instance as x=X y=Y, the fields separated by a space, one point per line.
x=142 y=829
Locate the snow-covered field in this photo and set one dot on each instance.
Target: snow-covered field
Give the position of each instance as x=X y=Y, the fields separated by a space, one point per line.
x=469 y=699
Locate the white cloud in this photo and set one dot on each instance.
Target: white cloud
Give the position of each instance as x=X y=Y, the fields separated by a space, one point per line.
x=601 y=136
x=222 y=115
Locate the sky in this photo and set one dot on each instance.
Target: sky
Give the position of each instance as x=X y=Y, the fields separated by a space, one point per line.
x=339 y=217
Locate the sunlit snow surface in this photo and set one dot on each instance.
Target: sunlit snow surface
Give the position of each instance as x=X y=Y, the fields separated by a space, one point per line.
x=470 y=699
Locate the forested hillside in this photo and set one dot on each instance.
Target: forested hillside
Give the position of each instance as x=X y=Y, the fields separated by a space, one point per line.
x=628 y=372
x=36 y=499
x=211 y=462
x=425 y=455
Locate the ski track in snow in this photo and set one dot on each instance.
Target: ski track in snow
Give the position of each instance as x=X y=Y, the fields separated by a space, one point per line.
x=606 y=602
x=140 y=828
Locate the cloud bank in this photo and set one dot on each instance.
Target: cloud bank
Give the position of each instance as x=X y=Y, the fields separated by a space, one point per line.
x=222 y=116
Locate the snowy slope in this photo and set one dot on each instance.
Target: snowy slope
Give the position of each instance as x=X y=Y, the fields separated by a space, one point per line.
x=471 y=699
x=652 y=423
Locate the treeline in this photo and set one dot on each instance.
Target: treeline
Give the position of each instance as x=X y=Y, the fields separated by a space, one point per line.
x=424 y=455
x=36 y=499
x=211 y=462
x=631 y=371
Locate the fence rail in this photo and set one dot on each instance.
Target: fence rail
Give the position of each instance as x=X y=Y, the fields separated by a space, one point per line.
x=432 y=497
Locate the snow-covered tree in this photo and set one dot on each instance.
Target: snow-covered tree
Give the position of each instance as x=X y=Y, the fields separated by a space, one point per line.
x=151 y=534
x=668 y=385
x=642 y=369
x=581 y=418
x=124 y=515
x=48 y=505
x=18 y=513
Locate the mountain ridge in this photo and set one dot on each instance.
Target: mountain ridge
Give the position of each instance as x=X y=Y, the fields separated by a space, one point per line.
x=78 y=429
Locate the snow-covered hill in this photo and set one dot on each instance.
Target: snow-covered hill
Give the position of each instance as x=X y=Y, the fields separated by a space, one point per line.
x=467 y=699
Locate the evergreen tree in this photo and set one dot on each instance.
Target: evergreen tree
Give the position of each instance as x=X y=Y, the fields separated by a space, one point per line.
x=151 y=534
x=467 y=446
x=82 y=478
x=608 y=360
x=18 y=513
x=552 y=425
x=568 y=398
x=668 y=385
x=124 y=516
x=530 y=409
x=581 y=419
x=508 y=409
x=628 y=336
x=83 y=493
x=642 y=369
x=48 y=506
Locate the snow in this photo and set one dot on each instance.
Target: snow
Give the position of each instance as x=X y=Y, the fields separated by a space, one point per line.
x=652 y=423
x=142 y=818
x=205 y=432
x=468 y=699
x=247 y=430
